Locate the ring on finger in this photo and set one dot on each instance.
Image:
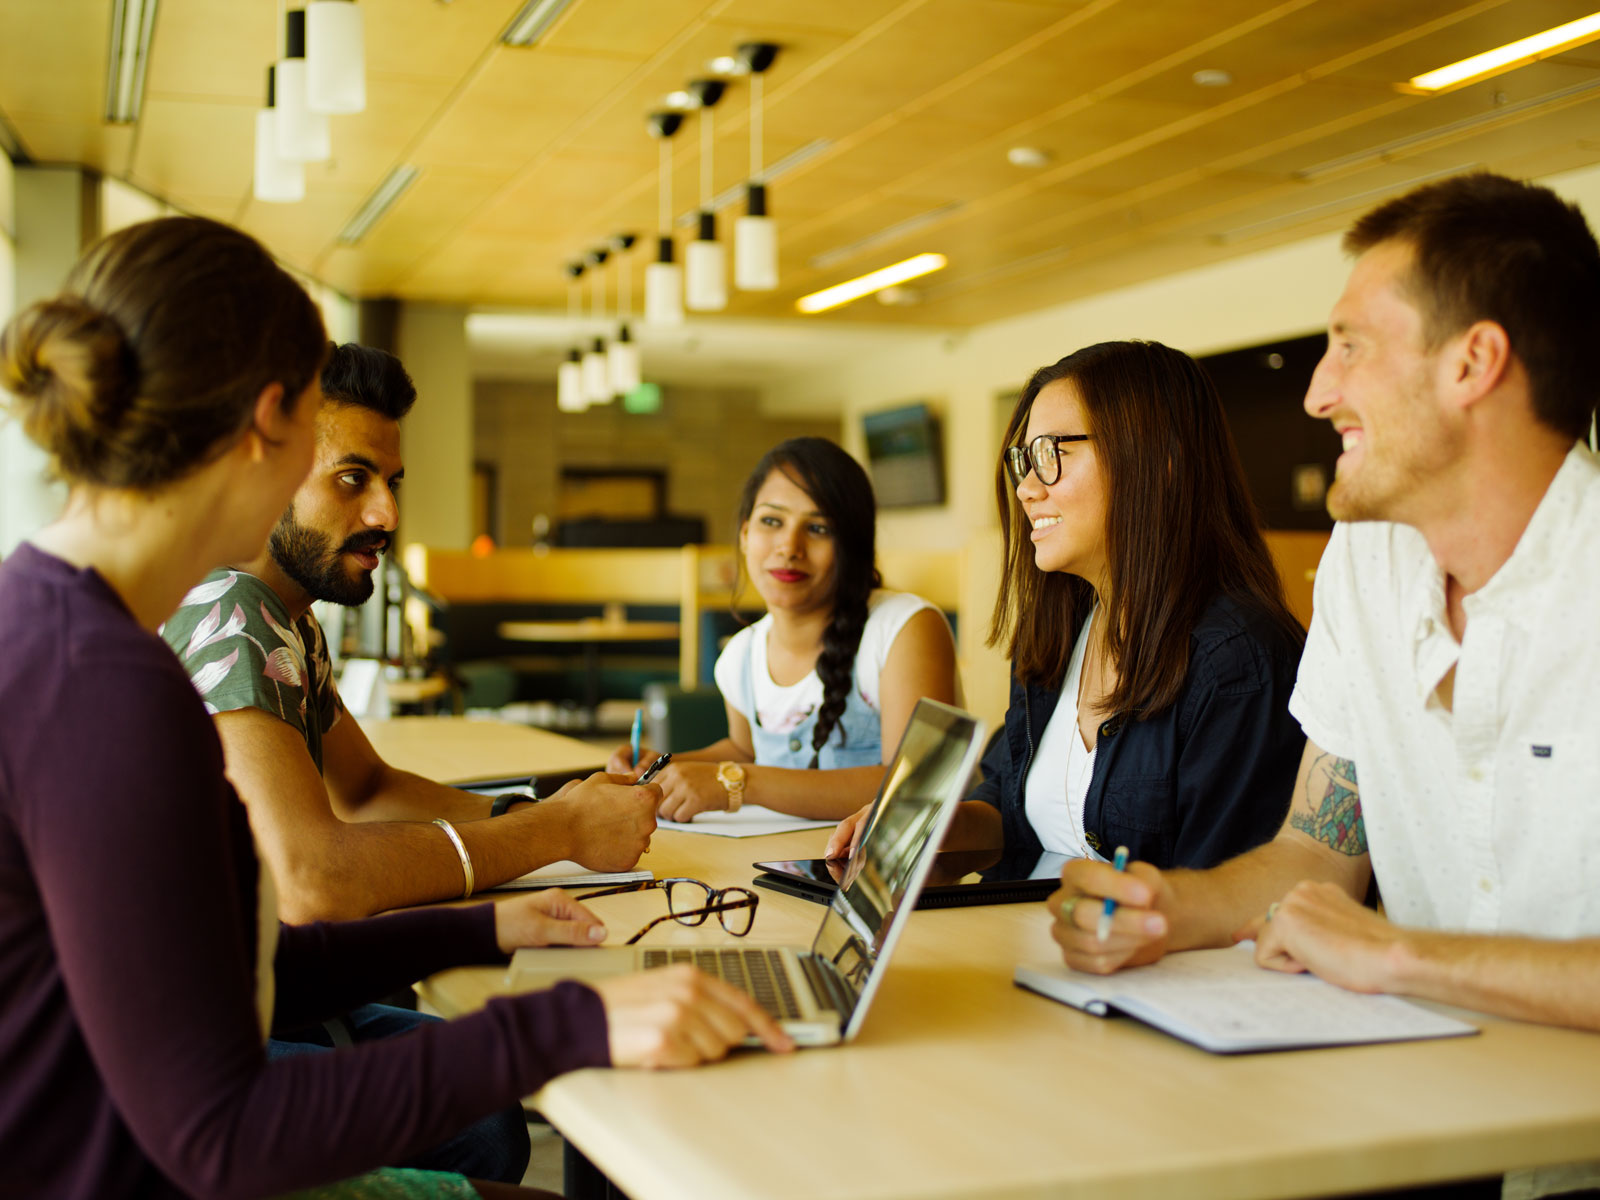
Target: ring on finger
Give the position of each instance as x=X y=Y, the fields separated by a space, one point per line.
x=1068 y=907
x=1272 y=910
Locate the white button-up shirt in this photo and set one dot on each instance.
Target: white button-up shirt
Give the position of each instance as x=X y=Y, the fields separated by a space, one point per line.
x=1484 y=816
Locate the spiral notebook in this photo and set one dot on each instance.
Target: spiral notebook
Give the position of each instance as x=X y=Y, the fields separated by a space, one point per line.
x=1221 y=1001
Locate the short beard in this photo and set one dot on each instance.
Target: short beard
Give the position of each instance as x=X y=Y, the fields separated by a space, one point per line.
x=307 y=556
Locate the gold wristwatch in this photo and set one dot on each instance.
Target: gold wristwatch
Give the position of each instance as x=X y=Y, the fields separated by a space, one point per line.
x=731 y=776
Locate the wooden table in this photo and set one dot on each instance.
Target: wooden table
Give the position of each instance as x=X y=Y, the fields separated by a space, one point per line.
x=963 y=1085
x=461 y=750
x=591 y=633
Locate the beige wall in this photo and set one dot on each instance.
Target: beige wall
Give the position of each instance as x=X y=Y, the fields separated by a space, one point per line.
x=707 y=439
x=436 y=437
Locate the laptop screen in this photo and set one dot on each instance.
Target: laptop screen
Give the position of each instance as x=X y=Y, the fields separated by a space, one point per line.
x=917 y=798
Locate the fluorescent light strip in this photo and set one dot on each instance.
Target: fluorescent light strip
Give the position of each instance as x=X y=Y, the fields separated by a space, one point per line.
x=1306 y=214
x=777 y=170
x=1412 y=140
x=854 y=289
x=368 y=215
x=839 y=254
x=1016 y=266
x=132 y=23
x=1512 y=55
x=529 y=25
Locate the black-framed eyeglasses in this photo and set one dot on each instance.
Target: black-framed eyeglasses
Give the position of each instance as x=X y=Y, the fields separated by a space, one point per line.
x=690 y=902
x=1043 y=455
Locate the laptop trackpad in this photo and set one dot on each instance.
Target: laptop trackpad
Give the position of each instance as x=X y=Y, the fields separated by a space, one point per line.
x=540 y=966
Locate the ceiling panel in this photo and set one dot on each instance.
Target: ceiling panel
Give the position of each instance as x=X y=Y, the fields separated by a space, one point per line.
x=531 y=156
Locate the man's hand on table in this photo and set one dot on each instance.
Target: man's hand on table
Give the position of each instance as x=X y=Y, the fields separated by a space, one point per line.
x=680 y=1017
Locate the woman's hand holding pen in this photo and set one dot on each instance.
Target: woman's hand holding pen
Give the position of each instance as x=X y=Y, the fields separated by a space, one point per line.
x=621 y=760
x=1139 y=926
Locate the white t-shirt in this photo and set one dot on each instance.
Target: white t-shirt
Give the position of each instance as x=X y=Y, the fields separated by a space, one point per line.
x=780 y=709
x=1058 y=780
x=1484 y=817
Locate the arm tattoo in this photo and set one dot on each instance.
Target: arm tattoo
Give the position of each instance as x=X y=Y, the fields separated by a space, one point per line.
x=1335 y=820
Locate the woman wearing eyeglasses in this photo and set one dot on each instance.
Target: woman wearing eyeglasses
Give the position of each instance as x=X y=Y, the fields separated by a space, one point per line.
x=173 y=383
x=1151 y=648
x=819 y=690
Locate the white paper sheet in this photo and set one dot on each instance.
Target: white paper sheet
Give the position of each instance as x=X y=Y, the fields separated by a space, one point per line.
x=750 y=821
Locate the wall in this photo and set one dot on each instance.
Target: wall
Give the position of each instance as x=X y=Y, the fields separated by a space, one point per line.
x=708 y=439
x=436 y=437
x=49 y=215
x=1260 y=297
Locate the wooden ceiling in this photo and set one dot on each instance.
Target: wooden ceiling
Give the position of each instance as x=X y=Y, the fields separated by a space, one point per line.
x=528 y=157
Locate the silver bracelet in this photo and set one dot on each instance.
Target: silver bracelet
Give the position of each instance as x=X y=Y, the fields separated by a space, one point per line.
x=461 y=850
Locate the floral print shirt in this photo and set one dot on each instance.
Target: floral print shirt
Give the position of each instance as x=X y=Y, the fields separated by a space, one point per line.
x=235 y=639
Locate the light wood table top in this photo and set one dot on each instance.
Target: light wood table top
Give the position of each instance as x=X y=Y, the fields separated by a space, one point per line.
x=963 y=1085
x=459 y=750
x=589 y=629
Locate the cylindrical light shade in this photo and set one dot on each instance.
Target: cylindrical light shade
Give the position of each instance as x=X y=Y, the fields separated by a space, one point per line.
x=277 y=180
x=596 y=375
x=663 y=289
x=336 y=57
x=569 y=384
x=623 y=359
x=755 y=247
x=302 y=134
x=706 y=270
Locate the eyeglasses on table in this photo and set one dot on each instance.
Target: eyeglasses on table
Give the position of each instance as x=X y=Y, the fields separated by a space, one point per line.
x=690 y=902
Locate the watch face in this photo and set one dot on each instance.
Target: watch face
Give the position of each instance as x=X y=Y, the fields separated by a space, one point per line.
x=730 y=773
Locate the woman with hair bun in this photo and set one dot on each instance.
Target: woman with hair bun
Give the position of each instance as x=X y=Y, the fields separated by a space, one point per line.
x=173 y=383
x=826 y=681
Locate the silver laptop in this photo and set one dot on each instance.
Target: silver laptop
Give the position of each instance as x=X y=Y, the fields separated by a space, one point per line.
x=821 y=995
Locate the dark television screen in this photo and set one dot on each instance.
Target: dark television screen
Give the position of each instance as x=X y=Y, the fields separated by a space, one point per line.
x=906 y=455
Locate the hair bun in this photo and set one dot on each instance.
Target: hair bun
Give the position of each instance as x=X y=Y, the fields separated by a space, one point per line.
x=73 y=372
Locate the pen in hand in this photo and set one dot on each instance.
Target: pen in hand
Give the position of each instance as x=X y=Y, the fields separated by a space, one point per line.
x=655 y=768
x=638 y=732
x=1119 y=862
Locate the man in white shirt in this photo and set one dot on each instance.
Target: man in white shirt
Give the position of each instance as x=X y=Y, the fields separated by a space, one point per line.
x=1451 y=680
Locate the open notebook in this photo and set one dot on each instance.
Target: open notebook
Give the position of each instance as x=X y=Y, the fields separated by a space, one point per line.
x=1222 y=1002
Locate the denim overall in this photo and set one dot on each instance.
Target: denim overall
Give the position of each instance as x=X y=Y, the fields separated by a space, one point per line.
x=856 y=739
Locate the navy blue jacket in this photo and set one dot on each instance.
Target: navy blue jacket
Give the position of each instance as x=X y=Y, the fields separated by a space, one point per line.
x=1205 y=779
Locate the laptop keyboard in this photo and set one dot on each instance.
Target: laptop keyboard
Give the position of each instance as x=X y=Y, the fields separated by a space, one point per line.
x=755 y=971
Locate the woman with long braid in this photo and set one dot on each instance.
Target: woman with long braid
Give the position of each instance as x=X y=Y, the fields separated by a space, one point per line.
x=819 y=690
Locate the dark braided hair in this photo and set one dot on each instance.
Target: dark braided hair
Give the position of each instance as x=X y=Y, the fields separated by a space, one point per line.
x=840 y=489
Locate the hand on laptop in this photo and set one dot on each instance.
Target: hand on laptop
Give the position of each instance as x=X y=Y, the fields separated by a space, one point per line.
x=680 y=1017
x=846 y=836
x=609 y=821
x=547 y=918
x=1138 y=928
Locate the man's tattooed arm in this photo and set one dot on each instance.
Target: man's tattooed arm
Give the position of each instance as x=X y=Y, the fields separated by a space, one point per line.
x=1331 y=812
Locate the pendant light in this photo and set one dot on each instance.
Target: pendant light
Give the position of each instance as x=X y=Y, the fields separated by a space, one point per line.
x=622 y=357
x=705 y=262
x=596 y=369
x=755 y=235
x=302 y=134
x=569 y=375
x=336 y=57
x=277 y=181
x=663 y=281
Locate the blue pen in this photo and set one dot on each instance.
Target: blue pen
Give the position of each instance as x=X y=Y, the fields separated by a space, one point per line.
x=1119 y=862
x=638 y=732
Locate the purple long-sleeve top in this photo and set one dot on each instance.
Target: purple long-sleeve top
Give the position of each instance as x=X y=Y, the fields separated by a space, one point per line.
x=131 y=1057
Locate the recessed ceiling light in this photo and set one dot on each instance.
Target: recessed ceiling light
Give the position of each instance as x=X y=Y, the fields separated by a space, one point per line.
x=1511 y=55
x=1027 y=156
x=1212 y=77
